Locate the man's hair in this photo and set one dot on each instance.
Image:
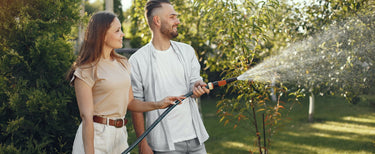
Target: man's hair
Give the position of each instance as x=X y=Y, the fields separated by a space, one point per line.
x=150 y=6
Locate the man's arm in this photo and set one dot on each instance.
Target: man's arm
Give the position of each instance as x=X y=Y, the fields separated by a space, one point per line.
x=137 y=117
x=196 y=81
x=139 y=126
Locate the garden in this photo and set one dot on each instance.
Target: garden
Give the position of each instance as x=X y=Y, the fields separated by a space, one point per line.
x=305 y=70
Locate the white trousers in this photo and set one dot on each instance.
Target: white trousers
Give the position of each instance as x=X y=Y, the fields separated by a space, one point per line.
x=107 y=140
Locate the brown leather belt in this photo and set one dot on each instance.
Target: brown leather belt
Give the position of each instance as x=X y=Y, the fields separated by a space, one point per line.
x=118 y=123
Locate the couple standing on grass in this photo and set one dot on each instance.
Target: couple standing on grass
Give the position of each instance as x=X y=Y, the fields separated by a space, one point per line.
x=159 y=73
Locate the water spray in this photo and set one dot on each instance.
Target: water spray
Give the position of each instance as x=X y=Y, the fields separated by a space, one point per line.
x=210 y=85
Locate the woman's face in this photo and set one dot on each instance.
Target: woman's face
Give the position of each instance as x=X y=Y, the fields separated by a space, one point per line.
x=114 y=35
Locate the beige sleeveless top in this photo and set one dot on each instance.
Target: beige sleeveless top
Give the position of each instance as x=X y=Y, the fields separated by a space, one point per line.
x=110 y=83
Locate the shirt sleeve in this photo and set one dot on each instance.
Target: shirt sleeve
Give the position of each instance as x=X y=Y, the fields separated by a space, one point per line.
x=195 y=67
x=136 y=79
x=86 y=75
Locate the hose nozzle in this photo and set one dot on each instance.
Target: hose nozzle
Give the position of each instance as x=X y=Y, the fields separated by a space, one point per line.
x=212 y=85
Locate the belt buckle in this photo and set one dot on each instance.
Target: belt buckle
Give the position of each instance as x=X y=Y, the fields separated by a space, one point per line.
x=117 y=120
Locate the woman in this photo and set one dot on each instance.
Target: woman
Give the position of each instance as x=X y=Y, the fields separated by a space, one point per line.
x=102 y=84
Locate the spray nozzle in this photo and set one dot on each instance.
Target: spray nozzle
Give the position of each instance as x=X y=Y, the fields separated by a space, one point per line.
x=212 y=85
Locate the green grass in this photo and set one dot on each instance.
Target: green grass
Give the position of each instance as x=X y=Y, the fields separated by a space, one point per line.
x=339 y=127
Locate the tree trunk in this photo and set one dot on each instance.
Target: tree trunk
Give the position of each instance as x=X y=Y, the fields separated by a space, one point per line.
x=81 y=29
x=109 y=5
x=311 y=107
x=257 y=130
x=273 y=91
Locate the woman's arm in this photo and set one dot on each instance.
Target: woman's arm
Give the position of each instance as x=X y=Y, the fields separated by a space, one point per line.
x=86 y=109
x=140 y=106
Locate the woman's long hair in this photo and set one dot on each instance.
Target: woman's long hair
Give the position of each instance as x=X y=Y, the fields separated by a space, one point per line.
x=92 y=46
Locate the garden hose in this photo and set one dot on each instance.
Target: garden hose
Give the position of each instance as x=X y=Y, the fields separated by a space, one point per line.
x=210 y=85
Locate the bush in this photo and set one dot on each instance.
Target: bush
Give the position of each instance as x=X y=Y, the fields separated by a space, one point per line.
x=37 y=114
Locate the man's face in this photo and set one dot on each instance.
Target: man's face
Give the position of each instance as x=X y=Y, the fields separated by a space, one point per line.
x=169 y=21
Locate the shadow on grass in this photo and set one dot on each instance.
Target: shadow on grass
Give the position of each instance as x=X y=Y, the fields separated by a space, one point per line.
x=317 y=138
x=339 y=127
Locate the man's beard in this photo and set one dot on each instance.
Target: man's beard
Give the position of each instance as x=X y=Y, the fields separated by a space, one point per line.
x=171 y=34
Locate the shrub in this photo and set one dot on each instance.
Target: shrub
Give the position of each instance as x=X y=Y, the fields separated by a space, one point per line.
x=37 y=114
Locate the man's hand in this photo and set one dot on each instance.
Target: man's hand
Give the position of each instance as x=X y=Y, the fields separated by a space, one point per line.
x=200 y=89
x=144 y=148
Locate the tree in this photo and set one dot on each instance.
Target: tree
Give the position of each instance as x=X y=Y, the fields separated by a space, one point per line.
x=37 y=111
x=242 y=37
x=91 y=8
x=341 y=32
x=356 y=20
x=139 y=31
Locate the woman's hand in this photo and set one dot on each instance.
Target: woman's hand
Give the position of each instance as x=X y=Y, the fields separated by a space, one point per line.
x=168 y=101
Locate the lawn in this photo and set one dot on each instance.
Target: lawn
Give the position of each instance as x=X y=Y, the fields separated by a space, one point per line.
x=339 y=127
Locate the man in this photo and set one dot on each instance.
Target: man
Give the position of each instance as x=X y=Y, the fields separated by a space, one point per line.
x=161 y=68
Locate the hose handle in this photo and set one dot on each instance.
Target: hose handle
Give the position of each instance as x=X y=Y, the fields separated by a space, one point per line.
x=212 y=85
